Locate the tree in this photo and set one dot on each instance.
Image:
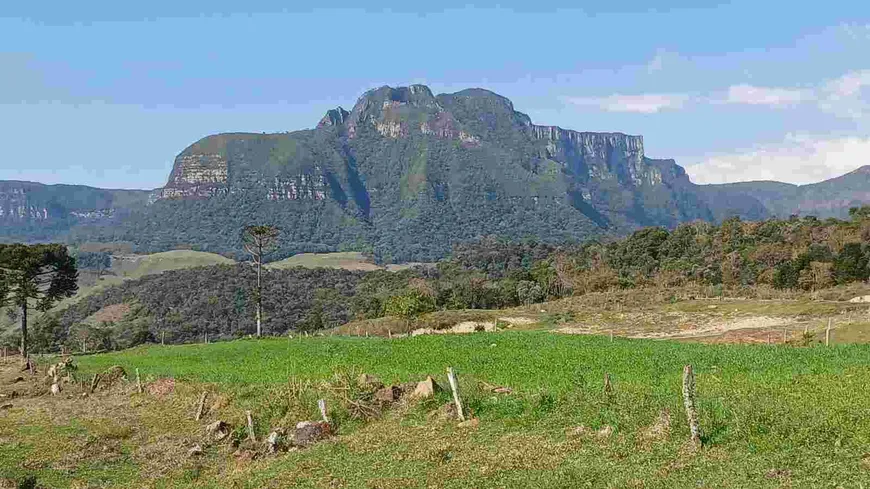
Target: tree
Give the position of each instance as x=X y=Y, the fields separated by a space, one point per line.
x=786 y=275
x=529 y=292
x=816 y=276
x=259 y=241
x=409 y=305
x=35 y=275
x=851 y=264
x=858 y=213
x=98 y=261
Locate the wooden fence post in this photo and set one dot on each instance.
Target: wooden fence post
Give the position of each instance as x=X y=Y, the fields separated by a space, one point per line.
x=828 y=333
x=689 y=404
x=138 y=382
x=454 y=386
x=321 y=404
x=251 y=435
x=163 y=338
x=201 y=405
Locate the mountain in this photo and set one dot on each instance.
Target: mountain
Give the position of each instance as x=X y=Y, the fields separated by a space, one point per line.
x=406 y=174
x=35 y=212
x=830 y=198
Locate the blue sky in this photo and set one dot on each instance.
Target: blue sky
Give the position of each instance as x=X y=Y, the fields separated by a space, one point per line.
x=106 y=94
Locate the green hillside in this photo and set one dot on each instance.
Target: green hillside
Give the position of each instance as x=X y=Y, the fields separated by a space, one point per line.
x=350 y=260
x=135 y=266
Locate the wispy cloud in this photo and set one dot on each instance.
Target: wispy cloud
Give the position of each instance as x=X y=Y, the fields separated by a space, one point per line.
x=649 y=103
x=847 y=96
x=799 y=158
x=772 y=97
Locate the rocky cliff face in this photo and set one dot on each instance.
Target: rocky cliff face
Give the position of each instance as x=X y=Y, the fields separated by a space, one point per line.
x=405 y=174
x=35 y=211
x=407 y=160
x=197 y=175
x=15 y=205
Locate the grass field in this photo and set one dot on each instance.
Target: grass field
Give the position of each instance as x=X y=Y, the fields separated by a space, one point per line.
x=348 y=260
x=135 y=266
x=771 y=416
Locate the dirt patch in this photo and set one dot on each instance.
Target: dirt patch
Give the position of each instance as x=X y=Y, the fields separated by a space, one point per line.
x=161 y=387
x=466 y=327
x=109 y=314
x=517 y=321
x=690 y=330
x=460 y=328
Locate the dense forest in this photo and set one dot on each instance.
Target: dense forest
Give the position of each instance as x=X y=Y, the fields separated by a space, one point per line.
x=186 y=305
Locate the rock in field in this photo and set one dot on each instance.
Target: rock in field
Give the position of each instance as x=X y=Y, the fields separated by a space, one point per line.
x=388 y=395
x=217 y=430
x=425 y=389
x=469 y=423
x=310 y=432
x=275 y=441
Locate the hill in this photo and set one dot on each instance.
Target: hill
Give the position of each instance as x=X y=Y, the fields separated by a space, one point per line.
x=349 y=260
x=759 y=200
x=775 y=259
x=135 y=266
x=404 y=176
x=36 y=212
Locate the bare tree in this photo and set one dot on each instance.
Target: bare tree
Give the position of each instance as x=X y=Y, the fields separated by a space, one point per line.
x=260 y=240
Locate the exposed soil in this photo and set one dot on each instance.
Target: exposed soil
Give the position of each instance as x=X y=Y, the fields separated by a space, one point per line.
x=465 y=327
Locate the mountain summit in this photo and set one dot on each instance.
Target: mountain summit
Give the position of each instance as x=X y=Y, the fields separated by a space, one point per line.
x=406 y=173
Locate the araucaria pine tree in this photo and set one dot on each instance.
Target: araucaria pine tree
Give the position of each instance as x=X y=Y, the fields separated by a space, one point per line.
x=35 y=276
x=259 y=241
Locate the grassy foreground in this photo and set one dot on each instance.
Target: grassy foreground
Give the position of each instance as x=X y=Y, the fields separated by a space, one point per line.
x=771 y=416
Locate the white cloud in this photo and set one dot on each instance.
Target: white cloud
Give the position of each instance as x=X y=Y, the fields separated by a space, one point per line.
x=800 y=159
x=773 y=97
x=644 y=103
x=845 y=97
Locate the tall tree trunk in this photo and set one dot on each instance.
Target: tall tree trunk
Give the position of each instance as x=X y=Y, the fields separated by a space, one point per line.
x=259 y=290
x=24 y=330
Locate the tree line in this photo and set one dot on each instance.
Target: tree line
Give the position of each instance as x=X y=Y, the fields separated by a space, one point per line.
x=221 y=301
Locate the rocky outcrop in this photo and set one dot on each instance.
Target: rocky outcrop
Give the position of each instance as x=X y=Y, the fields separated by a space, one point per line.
x=602 y=156
x=15 y=205
x=197 y=175
x=334 y=117
x=311 y=186
x=28 y=202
